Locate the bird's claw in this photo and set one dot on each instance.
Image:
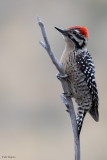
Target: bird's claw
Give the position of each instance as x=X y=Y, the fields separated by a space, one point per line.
x=67 y=94
x=60 y=76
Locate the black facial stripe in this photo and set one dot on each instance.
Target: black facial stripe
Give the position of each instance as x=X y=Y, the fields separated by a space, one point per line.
x=78 y=46
x=83 y=44
x=79 y=36
x=72 y=38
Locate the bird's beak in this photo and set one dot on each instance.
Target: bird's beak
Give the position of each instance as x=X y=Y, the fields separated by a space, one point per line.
x=64 y=32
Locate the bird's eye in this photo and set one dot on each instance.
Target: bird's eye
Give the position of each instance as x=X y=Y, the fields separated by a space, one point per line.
x=75 y=31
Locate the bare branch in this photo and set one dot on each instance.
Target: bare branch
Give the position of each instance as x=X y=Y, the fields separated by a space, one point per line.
x=67 y=100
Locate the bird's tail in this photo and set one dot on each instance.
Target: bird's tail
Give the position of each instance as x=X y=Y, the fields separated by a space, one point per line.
x=94 y=113
x=80 y=117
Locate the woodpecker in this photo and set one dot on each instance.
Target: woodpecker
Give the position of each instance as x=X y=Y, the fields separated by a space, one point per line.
x=79 y=67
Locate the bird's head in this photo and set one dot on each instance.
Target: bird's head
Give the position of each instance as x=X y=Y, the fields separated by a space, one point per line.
x=78 y=35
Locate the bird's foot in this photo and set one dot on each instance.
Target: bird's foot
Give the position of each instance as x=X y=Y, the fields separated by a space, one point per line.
x=60 y=76
x=67 y=94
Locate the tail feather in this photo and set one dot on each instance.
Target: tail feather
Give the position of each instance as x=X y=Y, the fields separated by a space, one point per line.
x=80 y=118
x=94 y=113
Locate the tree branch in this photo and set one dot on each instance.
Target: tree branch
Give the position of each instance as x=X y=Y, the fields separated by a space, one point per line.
x=67 y=100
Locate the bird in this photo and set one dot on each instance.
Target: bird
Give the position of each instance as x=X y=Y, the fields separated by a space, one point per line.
x=78 y=65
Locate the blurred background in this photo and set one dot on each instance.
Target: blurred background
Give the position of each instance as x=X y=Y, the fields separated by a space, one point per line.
x=33 y=121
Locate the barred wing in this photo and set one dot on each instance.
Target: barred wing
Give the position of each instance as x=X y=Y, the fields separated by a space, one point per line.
x=85 y=62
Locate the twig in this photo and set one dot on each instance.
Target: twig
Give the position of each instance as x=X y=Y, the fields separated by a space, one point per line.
x=67 y=100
